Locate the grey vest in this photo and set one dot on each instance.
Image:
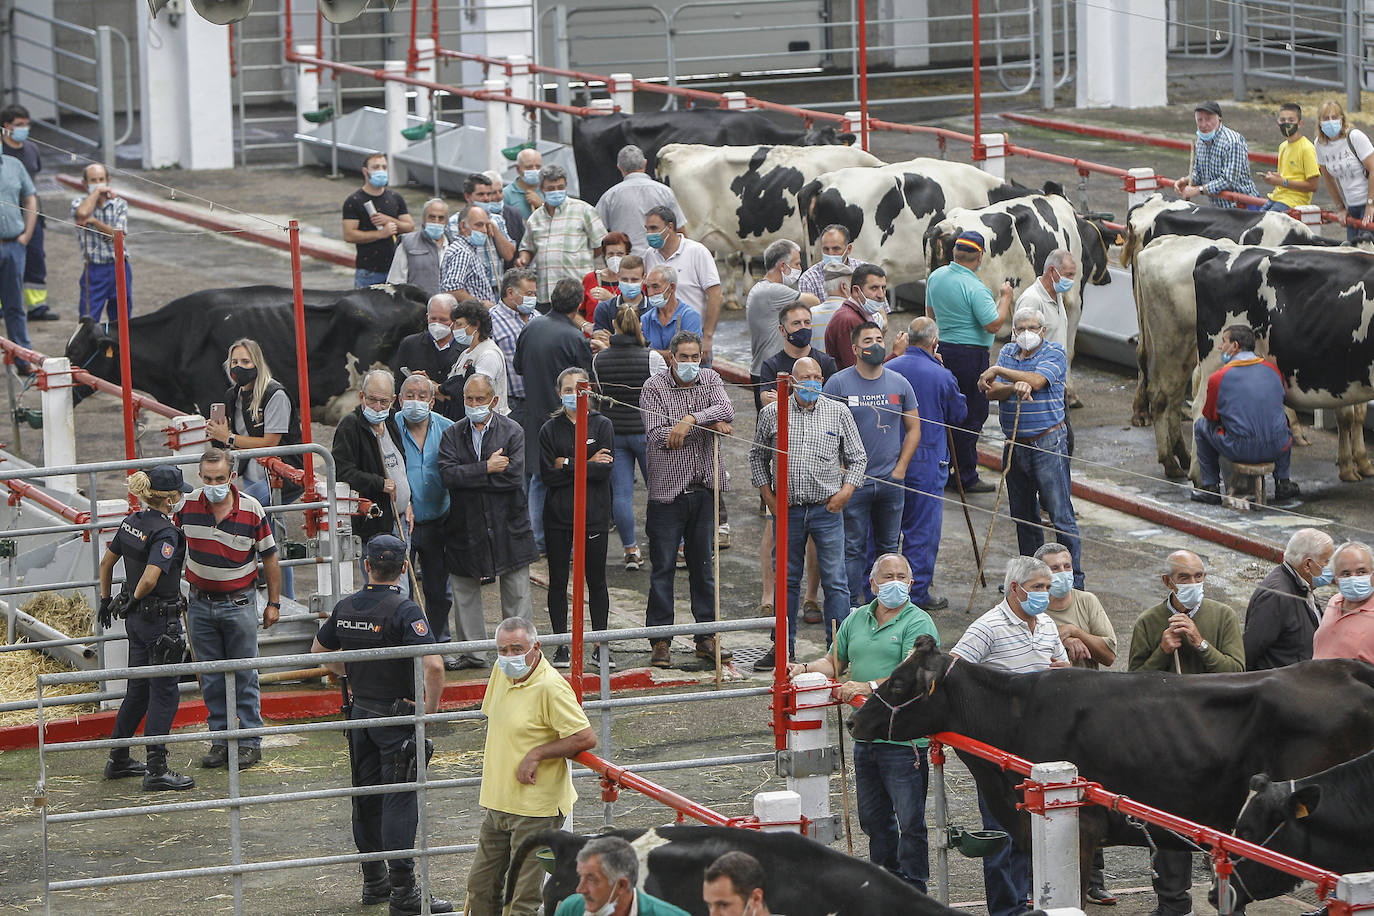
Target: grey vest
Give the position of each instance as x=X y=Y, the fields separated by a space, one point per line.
x=422 y=259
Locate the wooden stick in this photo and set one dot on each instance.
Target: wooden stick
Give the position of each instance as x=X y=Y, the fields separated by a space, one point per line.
x=1001 y=486
x=300 y=674
x=415 y=594
x=963 y=501
x=715 y=553
x=839 y=719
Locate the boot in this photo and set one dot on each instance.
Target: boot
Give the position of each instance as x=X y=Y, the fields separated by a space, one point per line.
x=405 y=897
x=121 y=765
x=376 y=885
x=158 y=778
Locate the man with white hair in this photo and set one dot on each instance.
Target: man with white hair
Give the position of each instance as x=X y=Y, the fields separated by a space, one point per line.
x=433 y=351
x=839 y=281
x=418 y=253
x=1016 y=635
x=623 y=206
x=1283 y=615
x=534 y=723
x=1028 y=381
x=1347 y=629
x=1047 y=294
x=767 y=298
x=465 y=269
x=523 y=194
x=368 y=455
x=667 y=316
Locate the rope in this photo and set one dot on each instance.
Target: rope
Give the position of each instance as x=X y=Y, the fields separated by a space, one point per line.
x=1001 y=485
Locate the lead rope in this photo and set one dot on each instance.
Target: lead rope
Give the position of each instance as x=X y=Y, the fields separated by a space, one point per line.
x=992 y=521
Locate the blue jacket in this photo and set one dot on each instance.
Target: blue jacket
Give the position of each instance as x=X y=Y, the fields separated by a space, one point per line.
x=938 y=399
x=428 y=495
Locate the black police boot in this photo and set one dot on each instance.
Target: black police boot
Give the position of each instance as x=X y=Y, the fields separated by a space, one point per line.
x=405 y=897
x=159 y=778
x=121 y=765
x=376 y=885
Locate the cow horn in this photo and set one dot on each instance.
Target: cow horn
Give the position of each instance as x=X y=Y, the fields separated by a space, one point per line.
x=347 y=10
x=220 y=12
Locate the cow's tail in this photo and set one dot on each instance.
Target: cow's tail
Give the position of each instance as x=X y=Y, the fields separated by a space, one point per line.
x=1132 y=245
x=557 y=840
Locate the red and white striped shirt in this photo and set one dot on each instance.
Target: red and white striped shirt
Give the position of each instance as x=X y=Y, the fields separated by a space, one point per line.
x=222 y=557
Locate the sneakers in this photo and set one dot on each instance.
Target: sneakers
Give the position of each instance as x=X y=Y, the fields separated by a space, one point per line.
x=43 y=313
x=1286 y=490
x=634 y=560
x=723 y=537
x=218 y=757
x=662 y=656
x=706 y=648
x=811 y=612
x=160 y=779
x=249 y=754
x=562 y=657
x=767 y=660
x=979 y=485
x=123 y=766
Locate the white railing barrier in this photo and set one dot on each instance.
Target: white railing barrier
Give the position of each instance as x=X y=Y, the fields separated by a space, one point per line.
x=307 y=98
x=996 y=162
x=809 y=759
x=394 y=96
x=622 y=91
x=1140 y=184
x=779 y=811
x=59 y=422
x=1054 y=837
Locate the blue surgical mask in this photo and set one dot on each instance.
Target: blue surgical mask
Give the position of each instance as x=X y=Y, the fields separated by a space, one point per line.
x=477 y=239
x=434 y=230
x=1207 y=136
x=569 y=402
x=216 y=492
x=1324 y=577
x=657 y=300
x=477 y=414
x=1190 y=595
x=1063 y=285
x=1061 y=583
x=894 y=593
x=630 y=290
x=809 y=392
x=687 y=372
x=1354 y=588
x=513 y=666
x=1226 y=357
x=463 y=337
x=378 y=179
x=874 y=306
x=1035 y=603
x=415 y=411
x=493 y=206
x=655 y=239
x=374 y=416
x=528 y=305
x=531 y=176
x=831 y=259
x=1332 y=129
x=20 y=134
x=555 y=198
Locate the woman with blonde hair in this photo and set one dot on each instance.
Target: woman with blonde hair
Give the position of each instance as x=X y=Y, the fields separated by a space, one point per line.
x=1345 y=157
x=153 y=550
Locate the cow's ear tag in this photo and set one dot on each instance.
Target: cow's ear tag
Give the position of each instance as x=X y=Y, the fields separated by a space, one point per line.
x=1300 y=811
x=931 y=691
x=109 y=352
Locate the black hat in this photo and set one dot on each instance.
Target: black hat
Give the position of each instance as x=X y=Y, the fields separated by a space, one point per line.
x=1212 y=107
x=387 y=548
x=165 y=478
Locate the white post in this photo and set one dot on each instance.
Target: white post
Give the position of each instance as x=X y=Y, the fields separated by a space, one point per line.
x=778 y=810
x=59 y=422
x=425 y=70
x=186 y=435
x=853 y=122
x=186 y=108
x=1140 y=184
x=622 y=90
x=1356 y=889
x=736 y=101
x=1311 y=214
x=1121 y=60
x=346 y=567
x=394 y=99
x=1054 y=839
x=521 y=81
x=498 y=128
x=806 y=747
x=602 y=106
x=307 y=98
x=996 y=163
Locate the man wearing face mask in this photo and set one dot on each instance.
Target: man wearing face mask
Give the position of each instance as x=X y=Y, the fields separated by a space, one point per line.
x=560 y=235
x=867 y=302
x=665 y=316
x=623 y=206
x=1028 y=381
x=480 y=190
x=766 y=302
x=608 y=870
x=432 y=351
x=889 y=776
x=14 y=137
x=418 y=253
x=99 y=215
x=698 y=280
x=1347 y=629
x=512 y=312
x=373 y=217
x=733 y=886
x=1018 y=636
x=523 y=194
x=835 y=249
x=1243 y=419
x=463 y=269
x=1186 y=634
x=1298 y=171
x=1283 y=615
x=472 y=329
x=1221 y=160
x=631 y=293
x=367 y=453
x=534 y=723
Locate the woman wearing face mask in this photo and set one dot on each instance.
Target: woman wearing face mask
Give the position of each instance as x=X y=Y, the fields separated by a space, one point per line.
x=1345 y=156
x=258 y=413
x=1347 y=629
x=472 y=330
x=558 y=444
x=603 y=283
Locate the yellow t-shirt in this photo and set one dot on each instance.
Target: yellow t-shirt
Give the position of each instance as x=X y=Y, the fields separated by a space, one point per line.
x=1297 y=162
x=520 y=717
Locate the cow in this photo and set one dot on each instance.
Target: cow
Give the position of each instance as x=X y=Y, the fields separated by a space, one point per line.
x=596 y=141
x=1193 y=739
x=805 y=878
x=740 y=199
x=1324 y=820
x=178 y=351
x=1155 y=217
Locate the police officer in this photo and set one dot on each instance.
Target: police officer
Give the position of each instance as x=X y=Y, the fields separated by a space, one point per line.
x=154 y=551
x=378 y=616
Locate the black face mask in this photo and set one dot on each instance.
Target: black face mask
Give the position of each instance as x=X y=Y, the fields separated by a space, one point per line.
x=800 y=337
x=873 y=355
x=243 y=376
x=1288 y=130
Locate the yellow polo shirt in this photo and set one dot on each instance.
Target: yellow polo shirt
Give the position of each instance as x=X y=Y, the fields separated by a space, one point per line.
x=520 y=717
x=1297 y=162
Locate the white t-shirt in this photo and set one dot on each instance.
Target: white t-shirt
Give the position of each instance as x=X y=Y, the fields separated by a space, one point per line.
x=276 y=418
x=395 y=465
x=1346 y=167
x=487 y=359
x=696 y=271
x=1051 y=305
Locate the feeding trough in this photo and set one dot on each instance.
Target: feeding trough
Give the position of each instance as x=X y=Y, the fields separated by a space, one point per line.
x=975 y=844
x=463 y=151
x=359 y=134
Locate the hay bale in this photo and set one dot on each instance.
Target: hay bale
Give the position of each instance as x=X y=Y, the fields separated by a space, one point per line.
x=69 y=614
x=19 y=669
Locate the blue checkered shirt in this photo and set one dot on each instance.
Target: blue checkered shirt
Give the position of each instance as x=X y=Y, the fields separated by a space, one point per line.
x=506 y=326
x=96 y=246
x=460 y=268
x=1223 y=164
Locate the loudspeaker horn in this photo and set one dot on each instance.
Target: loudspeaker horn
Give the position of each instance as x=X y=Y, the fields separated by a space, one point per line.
x=221 y=12
x=346 y=10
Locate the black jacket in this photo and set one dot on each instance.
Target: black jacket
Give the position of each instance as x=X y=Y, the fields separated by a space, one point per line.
x=488 y=529
x=620 y=372
x=418 y=353
x=1278 y=623
x=358 y=463
x=558 y=438
x=256 y=426
x=548 y=345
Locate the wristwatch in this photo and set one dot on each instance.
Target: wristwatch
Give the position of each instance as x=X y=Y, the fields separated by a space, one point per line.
x=275 y=604
x=231 y=440
x=1202 y=646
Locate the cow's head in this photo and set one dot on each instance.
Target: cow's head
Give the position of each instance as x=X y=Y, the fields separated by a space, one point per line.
x=93 y=348
x=827 y=135
x=939 y=243
x=1273 y=817
x=1097 y=238
x=908 y=705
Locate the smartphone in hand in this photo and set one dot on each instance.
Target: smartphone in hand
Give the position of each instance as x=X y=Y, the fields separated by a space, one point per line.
x=216 y=413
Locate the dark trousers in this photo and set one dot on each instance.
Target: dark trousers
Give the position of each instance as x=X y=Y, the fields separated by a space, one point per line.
x=1006 y=873
x=560 y=544
x=967 y=363
x=890 y=782
x=687 y=520
x=35 y=260
x=156 y=698
x=381 y=821
x=1173 y=886
x=427 y=546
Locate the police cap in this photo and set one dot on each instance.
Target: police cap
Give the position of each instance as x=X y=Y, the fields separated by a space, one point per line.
x=387 y=548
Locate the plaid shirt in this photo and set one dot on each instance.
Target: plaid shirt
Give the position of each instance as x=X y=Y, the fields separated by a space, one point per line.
x=824 y=451
x=562 y=243
x=506 y=327
x=1223 y=164
x=663 y=403
x=487 y=254
x=460 y=269
x=96 y=246
x=813 y=278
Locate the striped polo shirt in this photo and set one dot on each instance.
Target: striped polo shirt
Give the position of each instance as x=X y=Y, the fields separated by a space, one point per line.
x=223 y=557
x=999 y=639
x=1045 y=409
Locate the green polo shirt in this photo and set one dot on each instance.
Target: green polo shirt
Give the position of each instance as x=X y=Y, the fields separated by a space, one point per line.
x=872 y=650
x=962 y=305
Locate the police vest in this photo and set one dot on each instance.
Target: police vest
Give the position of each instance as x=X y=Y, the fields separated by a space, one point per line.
x=367 y=620
x=135 y=537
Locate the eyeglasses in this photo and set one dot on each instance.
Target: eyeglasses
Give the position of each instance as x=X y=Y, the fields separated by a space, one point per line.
x=376 y=402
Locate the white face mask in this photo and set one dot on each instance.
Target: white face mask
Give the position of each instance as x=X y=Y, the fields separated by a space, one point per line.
x=438 y=330
x=606 y=909
x=613 y=263
x=790 y=276
x=1027 y=340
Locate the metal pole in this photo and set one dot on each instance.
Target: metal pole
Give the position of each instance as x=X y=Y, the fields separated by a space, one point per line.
x=1237 y=52
x=1047 y=54
x=125 y=357
x=421 y=774
x=863 y=74
x=579 y=557
x=302 y=366
x=105 y=105
x=781 y=636
x=95 y=574
x=231 y=703
x=562 y=60
x=14 y=415
x=41 y=799
x=937 y=765
x=603 y=652
x=1354 y=60
x=979 y=152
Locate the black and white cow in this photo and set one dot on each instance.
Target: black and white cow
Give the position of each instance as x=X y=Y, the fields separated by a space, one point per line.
x=1155 y=217
x=1191 y=746
x=178 y=351
x=1325 y=820
x=804 y=878
x=596 y=141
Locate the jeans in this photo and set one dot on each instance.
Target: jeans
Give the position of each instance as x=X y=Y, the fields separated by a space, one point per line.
x=1277 y=206
x=12 y=257
x=560 y=543
x=535 y=491
x=1038 y=476
x=225 y=625
x=387 y=821
x=364 y=277
x=1006 y=872
x=922 y=516
x=628 y=451
x=261 y=490
x=156 y=697
x=687 y=520
x=1358 y=213
x=826 y=528
x=967 y=363
x=1174 y=881
x=875 y=507
x=890 y=782
x=427 y=547
x=1212 y=446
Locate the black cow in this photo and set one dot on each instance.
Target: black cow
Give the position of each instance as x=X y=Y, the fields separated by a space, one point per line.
x=1191 y=743
x=1155 y=217
x=804 y=877
x=596 y=141
x=1325 y=820
x=178 y=351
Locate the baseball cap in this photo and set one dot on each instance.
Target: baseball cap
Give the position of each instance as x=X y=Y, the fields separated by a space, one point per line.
x=165 y=478
x=1212 y=107
x=970 y=239
x=387 y=548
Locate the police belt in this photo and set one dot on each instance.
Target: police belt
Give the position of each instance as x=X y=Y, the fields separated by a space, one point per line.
x=380 y=708
x=158 y=606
